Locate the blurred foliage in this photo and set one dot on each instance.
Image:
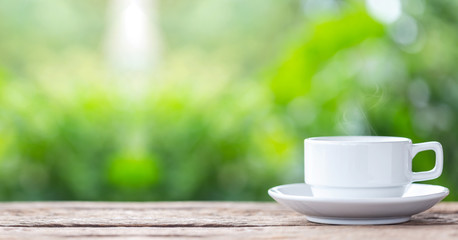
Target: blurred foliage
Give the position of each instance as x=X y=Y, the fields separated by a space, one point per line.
x=223 y=117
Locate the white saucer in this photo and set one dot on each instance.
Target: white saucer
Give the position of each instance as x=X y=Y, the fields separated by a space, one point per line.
x=358 y=211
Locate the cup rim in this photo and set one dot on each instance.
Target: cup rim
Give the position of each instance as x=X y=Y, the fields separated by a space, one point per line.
x=357 y=139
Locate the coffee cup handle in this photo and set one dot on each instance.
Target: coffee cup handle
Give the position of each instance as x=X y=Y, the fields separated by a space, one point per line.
x=437 y=170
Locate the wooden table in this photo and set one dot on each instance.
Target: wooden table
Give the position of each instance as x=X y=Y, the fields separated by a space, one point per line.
x=104 y=220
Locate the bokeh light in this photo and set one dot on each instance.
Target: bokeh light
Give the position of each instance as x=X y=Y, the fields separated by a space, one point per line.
x=211 y=100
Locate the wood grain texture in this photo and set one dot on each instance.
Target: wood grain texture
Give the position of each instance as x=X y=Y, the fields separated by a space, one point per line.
x=184 y=220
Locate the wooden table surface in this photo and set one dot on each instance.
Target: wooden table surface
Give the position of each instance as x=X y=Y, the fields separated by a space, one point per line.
x=252 y=220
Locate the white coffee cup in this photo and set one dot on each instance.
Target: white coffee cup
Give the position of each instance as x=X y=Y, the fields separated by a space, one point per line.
x=364 y=166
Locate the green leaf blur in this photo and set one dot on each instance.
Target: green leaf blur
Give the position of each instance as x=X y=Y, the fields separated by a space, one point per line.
x=223 y=114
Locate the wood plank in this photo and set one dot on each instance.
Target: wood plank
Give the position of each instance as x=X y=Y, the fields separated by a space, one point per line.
x=100 y=220
x=302 y=232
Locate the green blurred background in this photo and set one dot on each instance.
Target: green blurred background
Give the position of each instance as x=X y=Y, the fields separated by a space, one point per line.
x=211 y=100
